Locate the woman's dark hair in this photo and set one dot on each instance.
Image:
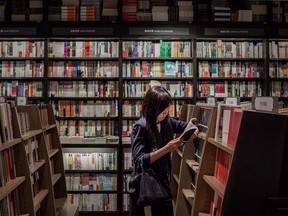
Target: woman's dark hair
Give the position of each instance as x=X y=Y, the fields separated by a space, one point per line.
x=156 y=100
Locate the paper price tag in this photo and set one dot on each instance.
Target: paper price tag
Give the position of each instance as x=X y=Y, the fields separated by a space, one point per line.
x=267 y=104
x=232 y=101
x=211 y=100
x=21 y=101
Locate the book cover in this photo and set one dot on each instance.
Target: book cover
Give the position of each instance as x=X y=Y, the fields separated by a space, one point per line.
x=188 y=132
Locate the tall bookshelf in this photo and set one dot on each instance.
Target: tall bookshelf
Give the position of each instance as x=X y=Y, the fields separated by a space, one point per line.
x=84 y=90
x=192 y=156
x=177 y=156
x=12 y=181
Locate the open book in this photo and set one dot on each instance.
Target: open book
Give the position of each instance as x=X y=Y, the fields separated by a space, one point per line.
x=187 y=133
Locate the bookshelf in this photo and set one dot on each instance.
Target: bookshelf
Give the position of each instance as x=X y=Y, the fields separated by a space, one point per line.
x=23 y=71
x=123 y=33
x=83 y=87
x=11 y=180
x=217 y=157
x=191 y=160
x=230 y=67
x=34 y=184
x=177 y=156
x=277 y=68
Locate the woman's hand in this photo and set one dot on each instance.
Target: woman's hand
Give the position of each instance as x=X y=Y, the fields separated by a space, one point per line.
x=195 y=134
x=173 y=145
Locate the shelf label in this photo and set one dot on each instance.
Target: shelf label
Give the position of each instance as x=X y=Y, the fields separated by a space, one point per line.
x=267 y=104
x=21 y=101
x=234 y=31
x=7 y=31
x=232 y=101
x=211 y=101
x=82 y=31
x=158 y=31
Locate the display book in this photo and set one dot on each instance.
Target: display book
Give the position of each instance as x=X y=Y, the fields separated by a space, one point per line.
x=27 y=185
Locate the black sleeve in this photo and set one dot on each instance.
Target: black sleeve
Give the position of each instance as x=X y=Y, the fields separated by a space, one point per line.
x=140 y=147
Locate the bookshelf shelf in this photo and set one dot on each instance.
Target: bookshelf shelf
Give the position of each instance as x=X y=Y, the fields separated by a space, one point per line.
x=215 y=184
x=36 y=166
x=55 y=178
x=52 y=152
x=189 y=195
x=9 y=144
x=10 y=186
x=37 y=200
x=220 y=145
x=31 y=134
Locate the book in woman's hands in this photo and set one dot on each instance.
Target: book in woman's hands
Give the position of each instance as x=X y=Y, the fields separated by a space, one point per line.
x=188 y=132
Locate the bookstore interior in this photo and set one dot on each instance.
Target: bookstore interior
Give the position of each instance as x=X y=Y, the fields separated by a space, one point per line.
x=73 y=74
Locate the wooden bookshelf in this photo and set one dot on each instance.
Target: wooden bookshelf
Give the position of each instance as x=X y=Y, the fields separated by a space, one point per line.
x=38 y=188
x=209 y=178
x=192 y=158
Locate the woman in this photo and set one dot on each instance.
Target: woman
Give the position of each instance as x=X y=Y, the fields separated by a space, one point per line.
x=152 y=141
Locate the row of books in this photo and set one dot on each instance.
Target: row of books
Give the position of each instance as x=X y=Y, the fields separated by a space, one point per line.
x=19 y=48
x=83 y=89
x=6 y=129
x=278 y=70
x=91 y=182
x=157 y=69
x=175 y=88
x=90 y=161
x=88 y=128
x=21 y=89
x=229 y=49
x=128 y=164
x=156 y=49
x=87 y=108
x=26 y=68
x=279 y=89
x=230 y=89
x=89 y=140
x=278 y=49
x=87 y=49
x=9 y=204
x=93 y=202
x=83 y=69
x=230 y=69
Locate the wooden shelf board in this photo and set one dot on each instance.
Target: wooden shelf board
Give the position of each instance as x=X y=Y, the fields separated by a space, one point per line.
x=34 y=167
x=39 y=198
x=52 y=152
x=59 y=202
x=55 y=178
x=194 y=165
x=10 y=186
x=221 y=145
x=31 y=133
x=7 y=145
x=215 y=184
x=176 y=177
x=180 y=153
x=24 y=215
x=49 y=127
x=189 y=195
x=202 y=135
x=69 y=210
x=203 y=214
